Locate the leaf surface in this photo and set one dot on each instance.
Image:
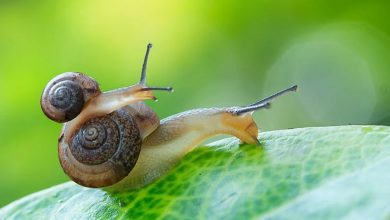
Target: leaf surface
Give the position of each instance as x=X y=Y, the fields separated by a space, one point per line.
x=306 y=173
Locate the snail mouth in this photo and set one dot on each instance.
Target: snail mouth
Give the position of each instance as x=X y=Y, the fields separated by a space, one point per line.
x=144 y=94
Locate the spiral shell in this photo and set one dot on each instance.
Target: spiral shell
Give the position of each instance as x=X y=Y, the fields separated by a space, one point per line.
x=64 y=96
x=103 y=151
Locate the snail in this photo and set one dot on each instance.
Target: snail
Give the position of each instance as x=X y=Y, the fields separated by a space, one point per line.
x=113 y=139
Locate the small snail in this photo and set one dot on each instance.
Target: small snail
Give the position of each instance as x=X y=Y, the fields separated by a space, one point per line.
x=113 y=139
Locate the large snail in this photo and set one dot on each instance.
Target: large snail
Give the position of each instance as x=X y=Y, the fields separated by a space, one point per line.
x=113 y=139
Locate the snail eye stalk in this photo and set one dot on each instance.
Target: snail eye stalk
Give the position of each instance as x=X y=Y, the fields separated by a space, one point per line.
x=264 y=103
x=293 y=88
x=144 y=65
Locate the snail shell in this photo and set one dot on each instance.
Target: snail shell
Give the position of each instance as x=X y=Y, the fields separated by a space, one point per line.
x=64 y=96
x=103 y=151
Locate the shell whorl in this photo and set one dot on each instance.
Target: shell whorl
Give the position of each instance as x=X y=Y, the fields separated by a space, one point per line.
x=64 y=96
x=103 y=151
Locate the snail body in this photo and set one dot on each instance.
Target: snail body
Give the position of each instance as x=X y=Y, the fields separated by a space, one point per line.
x=113 y=139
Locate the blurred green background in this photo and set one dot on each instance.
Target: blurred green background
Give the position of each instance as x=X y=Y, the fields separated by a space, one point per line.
x=214 y=53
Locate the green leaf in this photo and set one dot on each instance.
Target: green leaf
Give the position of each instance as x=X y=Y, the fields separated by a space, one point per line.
x=308 y=173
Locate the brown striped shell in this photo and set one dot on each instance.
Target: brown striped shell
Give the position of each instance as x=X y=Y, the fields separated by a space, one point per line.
x=103 y=151
x=65 y=95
